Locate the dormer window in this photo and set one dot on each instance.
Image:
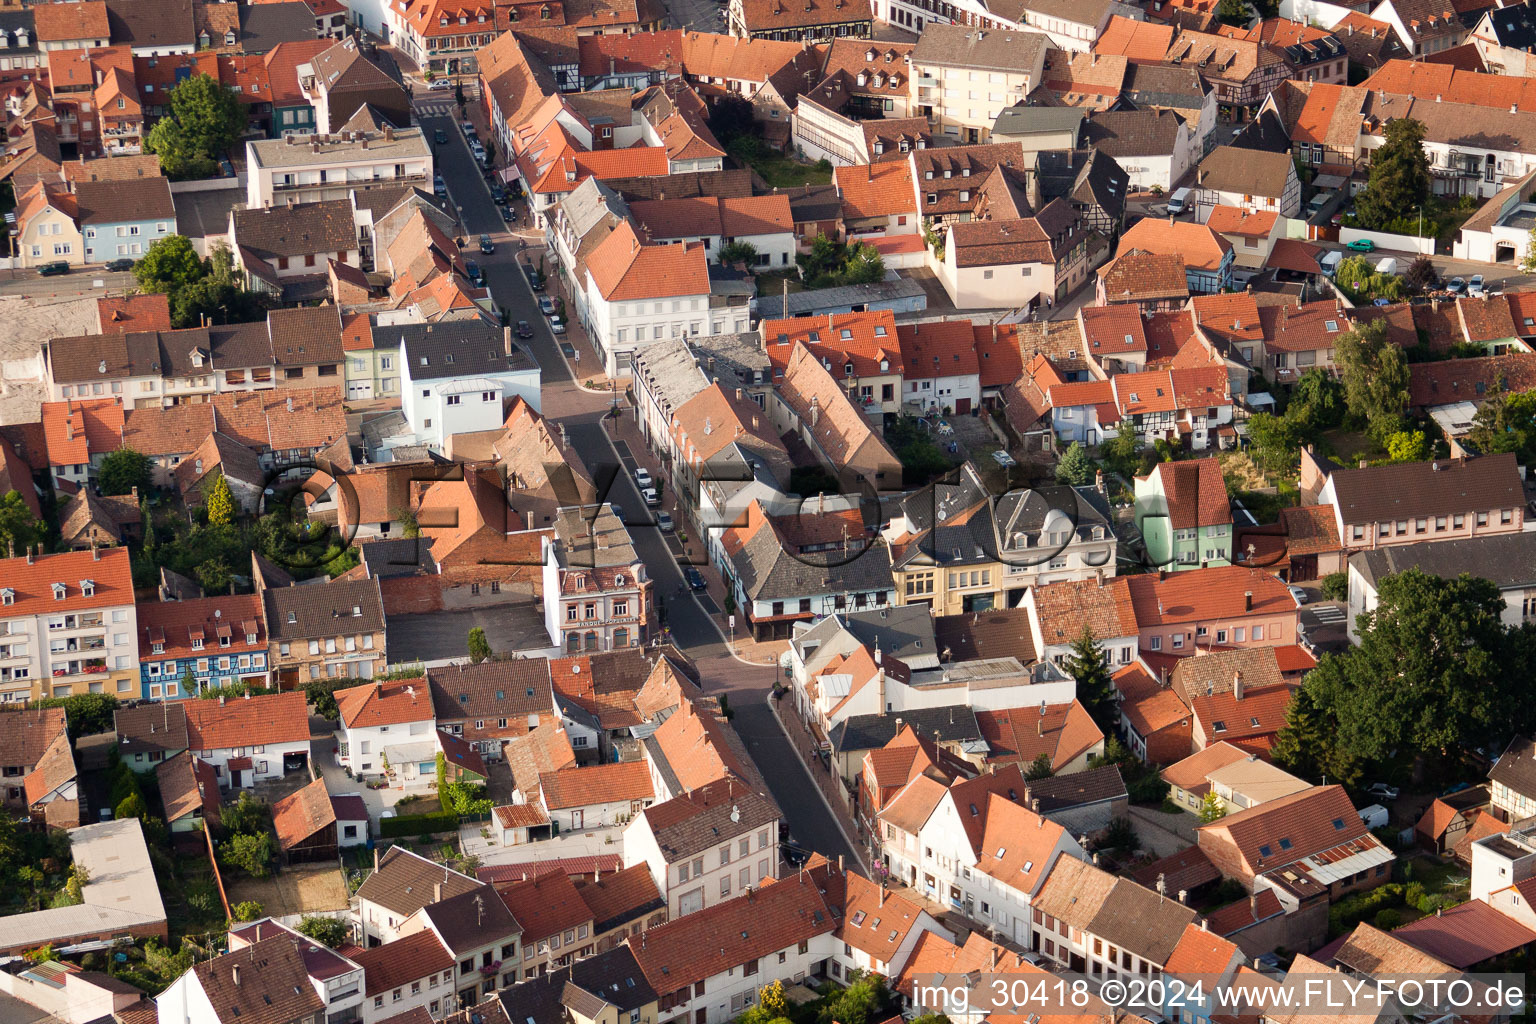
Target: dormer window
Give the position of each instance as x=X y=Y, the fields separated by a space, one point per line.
x=59 y=590
x=869 y=56
x=621 y=580
x=7 y=596
x=292 y=618
x=250 y=638
x=885 y=364
x=443 y=21
x=357 y=611
x=197 y=643
x=229 y=38
x=848 y=369
x=88 y=588
x=157 y=648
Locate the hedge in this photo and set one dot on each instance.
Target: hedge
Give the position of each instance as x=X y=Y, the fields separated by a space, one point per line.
x=418 y=824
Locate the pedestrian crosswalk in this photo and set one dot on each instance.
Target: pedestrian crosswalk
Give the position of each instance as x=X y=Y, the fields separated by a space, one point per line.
x=1328 y=614
x=436 y=108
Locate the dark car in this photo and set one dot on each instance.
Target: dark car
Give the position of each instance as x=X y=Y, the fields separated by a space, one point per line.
x=475 y=273
x=507 y=214
x=498 y=194
x=53 y=269
x=534 y=281
x=439 y=136
x=440 y=187
x=524 y=329
x=486 y=245
x=694 y=579
x=117 y=266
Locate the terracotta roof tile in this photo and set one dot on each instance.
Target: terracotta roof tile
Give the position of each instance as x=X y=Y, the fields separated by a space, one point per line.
x=598 y=784
x=264 y=719
x=395 y=702
x=1234 y=917
x=1065 y=608
x=1206 y=594
x=394 y=964
x=1196 y=493
x=1137 y=275
x=300 y=815
x=1200 y=247
x=1201 y=953
x=32 y=581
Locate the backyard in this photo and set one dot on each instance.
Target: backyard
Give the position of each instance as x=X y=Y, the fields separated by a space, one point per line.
x=778 y=170
x=294 y=890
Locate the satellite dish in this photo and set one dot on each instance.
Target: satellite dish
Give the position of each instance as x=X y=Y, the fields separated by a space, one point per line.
x=735 y=814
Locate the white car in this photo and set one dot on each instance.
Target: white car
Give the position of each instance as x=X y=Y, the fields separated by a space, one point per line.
x=1382 y=791
x=439 y=84
x=1475 y=286
x=642 y=478
x=1299 y=595
x=1003 y=459
x=652 y=499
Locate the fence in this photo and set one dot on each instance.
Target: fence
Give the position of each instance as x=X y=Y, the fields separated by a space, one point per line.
x=1387 y=240
x=826 y=779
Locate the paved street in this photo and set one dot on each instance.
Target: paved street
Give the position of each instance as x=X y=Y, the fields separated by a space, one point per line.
x=79 y=281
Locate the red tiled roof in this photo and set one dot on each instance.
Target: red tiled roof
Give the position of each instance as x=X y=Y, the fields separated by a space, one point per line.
x=944 y=349
x=1201 y=952
x=546 y=904
x=31 y=581
x=1195 y=492
x=1289 y=827
x=394 y=964
x=625 y=269
x=1236 y=916
x=877 y=190
x=865 y=340
x=300 y=815
x=75 y=430
x=597 y=784
x=247 y=721
x=1200 y=246
x=1470 y=380
x=1235 y=220
x=1466 y=935
x=395 y=702
x=1208 y=593
x=1260 y=713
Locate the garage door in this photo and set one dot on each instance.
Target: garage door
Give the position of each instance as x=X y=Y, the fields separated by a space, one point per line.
x=690 y=902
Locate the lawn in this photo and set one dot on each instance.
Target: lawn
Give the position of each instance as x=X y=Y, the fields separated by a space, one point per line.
x=781 y=171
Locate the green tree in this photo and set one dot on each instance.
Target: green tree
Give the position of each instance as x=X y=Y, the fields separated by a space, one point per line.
x=1408 y=446
x=123 y=470
x=1335 y=586
x=856 y=1004
x=188 y=682
x=1040 y=767
x=86 y=713
x=1399 y=178
x=1120 y=452
x=738 y=252
x=245 y=815
x=19 y=527
x=1212 y=807
x=1317 y=401
x=1074 y=467
x=1528 y=261
x=1421 y=275
x=169 y=263
x=214 y=576
x=1233 y=12
x=204 y=120
x=1274 y=443
x=1506 y=422
x=409 y=525
x=219 y=295
x=458 y=94
x=131 y=807
x=327 y=930
x=1375 y=373
x=221 y=502
x=1089 y=666
x=479 y=646
x=247 y=910
x=1429 y=672
x=252 y=853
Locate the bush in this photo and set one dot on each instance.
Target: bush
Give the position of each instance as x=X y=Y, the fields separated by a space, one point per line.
x=249 y=910
x=1348 y=912
x=1388 y=919
x=1413 y=893
x=418 y=824
x=252 y=853
x=328 y=930
x=1336 y=586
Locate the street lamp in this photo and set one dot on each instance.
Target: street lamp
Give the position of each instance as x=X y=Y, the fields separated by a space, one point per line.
x=1421 y=219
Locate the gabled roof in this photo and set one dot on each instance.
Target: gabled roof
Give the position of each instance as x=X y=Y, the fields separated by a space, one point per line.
x=1200 y=247
x=1285 y=830
x=395 y=702
x=272 y=718
x=622 y=782
x=1017 y=845
x=1195 y=492
x=298 y=816
x=404 y=882
x=1439 y=487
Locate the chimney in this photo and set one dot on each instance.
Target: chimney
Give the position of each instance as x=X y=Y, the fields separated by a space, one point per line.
x=234 y=974
x=437 y=892
x=997 y=954
x=1237 y=685
x=815 y=411
x=375 y=858
x=1253 y=906
x=1183 y=895
x=1247 y=600
x=839 y=862
x=95 y=553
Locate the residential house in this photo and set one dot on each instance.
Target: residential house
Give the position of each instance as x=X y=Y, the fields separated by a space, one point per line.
x=379 y=718
x=1150 y=281
x=456 y=377
x=189 y=794
x=556 y=922
x=38 y=777
x=988 y=262
x=1444 y=499
x=945 y=371
x=327 y=631
x=489 y=703
x=1422 y=27
x=478 y=929
x=589 y=991
x=47 y=226
x=209 y=641
x=1449 y=819
x=1059 y=612
x=818 y=21
x=72 y=28
x=311 y=168
x=948 y=56
x=341 y=81
x=1184 y=516
x=1089 y=921
x=860 y=350
x=1505 y=559
x=1092 y=182
x=694 y=844
x=1253 y=237
x=1513 y=793
x=810 y=402
x=284 y=250
x=763 y=222
x=123 y=218
x=605 y=601
x=1244 y=606
x=272 y=968
x=1207 y=256
x=1245 y=780
x=88 y=520
x=70 y=622
x=1243 y=71
x=400 y=884
x=1250 y=180
x=1153 y=719
x=1310 y=841
x=248 y=739
x=595 y=796
x=1156 y=148
x=628 y=285
x=719 y=438
x=407 y=974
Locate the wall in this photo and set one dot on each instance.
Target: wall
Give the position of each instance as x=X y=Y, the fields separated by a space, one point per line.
x=1386 y=240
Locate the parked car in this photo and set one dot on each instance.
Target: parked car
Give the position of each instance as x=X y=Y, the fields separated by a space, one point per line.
x=1003 y=459
x=524 y=329
x=652 y=499
x=1362 y=245
x=476 y=275
x=694 y=579
x=567 y=351
x=546 y=305
x=642 y=478
x=1456 y=286
x=440 y=186
x=1299 y=595
x=1382 y=791
x=486 y=245
x=618 y=510
x=440 y=84
x=117 y=266
x=556 y=325
x=498 y=194
x=440 y=137
x=1475 y=286
x=507 y=214
x=468 y=128
x=534 y=280
x=53 y=269
x=665 y=522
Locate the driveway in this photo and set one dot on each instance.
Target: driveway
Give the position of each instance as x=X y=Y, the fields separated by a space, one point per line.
x=322 y=756
x=1162 y=833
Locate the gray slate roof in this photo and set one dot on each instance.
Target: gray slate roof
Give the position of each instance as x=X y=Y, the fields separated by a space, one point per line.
x=808 y=303
x=453 y=348
x=956 y=723
x=770 y=573
x=991 y=49
x=1508 y=559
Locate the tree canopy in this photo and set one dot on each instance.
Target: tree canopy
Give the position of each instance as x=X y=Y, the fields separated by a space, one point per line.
x=123 y=470
x=205 y=119
x=1399 y=178
x=1089 y=666
x=19 y=527
x=1506 y=422
x=195 y=287
x=1375 y=373
x=1074 y=467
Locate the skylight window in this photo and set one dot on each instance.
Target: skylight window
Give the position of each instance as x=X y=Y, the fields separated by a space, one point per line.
x=1219 y=726
x=1338 y=824
x=1332 y=326
x=1286 y=844
x=858 y=918
x=1265 y=851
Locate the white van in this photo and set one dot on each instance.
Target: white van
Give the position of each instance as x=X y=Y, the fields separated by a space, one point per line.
x=1179 y=202
x=1387 y=265
x=1330 y=261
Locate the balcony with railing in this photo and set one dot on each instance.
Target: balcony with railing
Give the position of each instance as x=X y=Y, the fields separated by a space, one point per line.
x=81 y=667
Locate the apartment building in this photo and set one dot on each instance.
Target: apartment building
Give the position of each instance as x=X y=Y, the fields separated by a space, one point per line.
x=310 y=168
x=963 y=77
x=325 y=631
x=68 y=625
x=597 y=592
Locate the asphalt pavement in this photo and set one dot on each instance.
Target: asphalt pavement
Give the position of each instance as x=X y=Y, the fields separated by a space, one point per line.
x=79 y=281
